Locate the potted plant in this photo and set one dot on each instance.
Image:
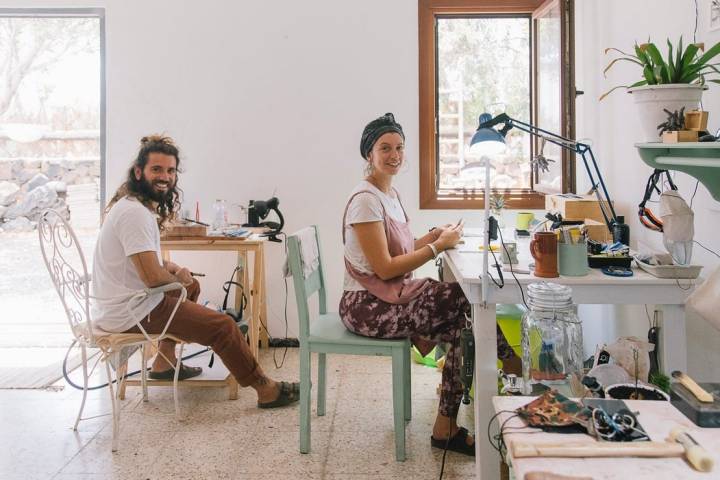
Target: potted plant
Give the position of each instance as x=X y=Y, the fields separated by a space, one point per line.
x=670 y=83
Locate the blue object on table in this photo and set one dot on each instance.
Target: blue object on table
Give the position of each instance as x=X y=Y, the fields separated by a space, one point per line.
x=617 y=271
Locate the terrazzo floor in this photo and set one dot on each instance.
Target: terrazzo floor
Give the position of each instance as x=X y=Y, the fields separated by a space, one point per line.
x=229 y=439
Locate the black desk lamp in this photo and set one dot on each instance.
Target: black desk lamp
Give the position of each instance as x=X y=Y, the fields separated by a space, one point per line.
x=260 y=209
x=486 y=133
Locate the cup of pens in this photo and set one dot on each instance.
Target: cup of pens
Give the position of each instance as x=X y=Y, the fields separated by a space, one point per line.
x=572 y=252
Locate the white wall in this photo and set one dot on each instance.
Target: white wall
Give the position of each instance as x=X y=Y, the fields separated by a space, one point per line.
x=614 y=128
x=265 y=96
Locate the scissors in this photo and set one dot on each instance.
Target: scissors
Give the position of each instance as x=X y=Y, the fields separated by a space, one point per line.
x=617 y=271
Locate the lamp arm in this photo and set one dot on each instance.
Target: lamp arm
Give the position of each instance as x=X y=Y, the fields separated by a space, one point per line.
x=606 y=206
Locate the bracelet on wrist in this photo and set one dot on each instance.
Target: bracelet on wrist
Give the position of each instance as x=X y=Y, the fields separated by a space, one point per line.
x=433 y=249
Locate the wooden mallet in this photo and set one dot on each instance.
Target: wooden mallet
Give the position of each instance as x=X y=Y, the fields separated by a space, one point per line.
x=681 y=444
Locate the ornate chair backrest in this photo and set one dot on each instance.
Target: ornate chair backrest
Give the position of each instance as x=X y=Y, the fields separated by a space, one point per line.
x=66 y=264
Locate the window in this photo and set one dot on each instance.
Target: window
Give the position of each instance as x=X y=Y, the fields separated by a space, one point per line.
x=52 y=148
x=476 y=56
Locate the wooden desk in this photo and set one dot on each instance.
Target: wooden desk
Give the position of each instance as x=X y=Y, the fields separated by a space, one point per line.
x=255 y=289
x=657 y=418
x=465 y=265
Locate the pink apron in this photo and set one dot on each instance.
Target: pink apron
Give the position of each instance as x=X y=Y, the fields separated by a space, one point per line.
x=401 y=289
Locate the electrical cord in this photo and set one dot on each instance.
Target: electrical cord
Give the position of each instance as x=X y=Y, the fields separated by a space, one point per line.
x=703 y=246
x=522 y=293
x=697 y=182
x=66 y=374
x=447 y=442
x=282 y=362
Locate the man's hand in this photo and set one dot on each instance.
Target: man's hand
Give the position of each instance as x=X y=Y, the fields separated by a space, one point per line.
x=183 y=274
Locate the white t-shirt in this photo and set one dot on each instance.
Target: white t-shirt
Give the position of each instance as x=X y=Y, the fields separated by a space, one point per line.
x=129 y=228
x=366 y=207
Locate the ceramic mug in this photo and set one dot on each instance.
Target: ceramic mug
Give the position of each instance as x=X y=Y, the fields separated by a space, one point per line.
x=572 y=259
x=523 y=219
x=544 y=249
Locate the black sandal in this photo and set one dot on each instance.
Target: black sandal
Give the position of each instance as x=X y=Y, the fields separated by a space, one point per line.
x=289 y=393
x=457 y=443
x=169 y=374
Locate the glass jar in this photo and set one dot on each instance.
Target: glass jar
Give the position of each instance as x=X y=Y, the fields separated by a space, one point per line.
x=219 y=215
x=552 y=342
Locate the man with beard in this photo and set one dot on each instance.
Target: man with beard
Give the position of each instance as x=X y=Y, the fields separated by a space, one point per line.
x=127 y=259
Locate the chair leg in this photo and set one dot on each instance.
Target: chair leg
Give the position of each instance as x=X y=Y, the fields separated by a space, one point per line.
x=120 y=374
x=304 y=399
x=83 y=354
x=322 y=389
x=143 y=372
x=407 y=382
x=398 y=382
x=115 y=406
x=175 y=383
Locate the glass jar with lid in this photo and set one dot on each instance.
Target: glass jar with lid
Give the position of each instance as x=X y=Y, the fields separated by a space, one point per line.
x=552 y=342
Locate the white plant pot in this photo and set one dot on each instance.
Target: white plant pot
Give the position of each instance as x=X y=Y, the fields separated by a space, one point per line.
x=652 y=99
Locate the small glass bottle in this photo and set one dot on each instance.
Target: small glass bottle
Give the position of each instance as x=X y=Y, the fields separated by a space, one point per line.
x=219 y=217
x=551 y=338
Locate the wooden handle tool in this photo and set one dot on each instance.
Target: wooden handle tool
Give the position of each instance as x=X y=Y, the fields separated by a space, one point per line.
x=597 y=449
x=696 y=455
x=700 y=393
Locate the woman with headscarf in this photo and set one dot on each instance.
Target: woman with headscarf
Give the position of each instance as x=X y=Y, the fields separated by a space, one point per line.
x=381 y=298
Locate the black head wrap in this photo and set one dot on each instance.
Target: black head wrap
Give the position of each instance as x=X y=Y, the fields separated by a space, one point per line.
x=376 y=129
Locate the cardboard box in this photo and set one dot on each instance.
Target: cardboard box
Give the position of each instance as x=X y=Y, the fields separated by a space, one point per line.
x=597 y=231
x=678 y=136
x=574 y=207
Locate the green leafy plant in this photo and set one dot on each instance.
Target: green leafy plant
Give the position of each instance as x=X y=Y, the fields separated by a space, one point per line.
x=687 y=65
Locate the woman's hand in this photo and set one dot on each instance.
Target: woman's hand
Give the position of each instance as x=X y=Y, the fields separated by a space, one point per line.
x=448 y=238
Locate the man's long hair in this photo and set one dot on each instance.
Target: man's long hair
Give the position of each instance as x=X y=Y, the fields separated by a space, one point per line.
x=165 y=206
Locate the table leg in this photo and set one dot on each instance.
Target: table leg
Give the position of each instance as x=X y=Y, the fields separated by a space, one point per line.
x=255 y=302
x=486 y=458
x=673 y=339
x=233 y=388
x=264 y=340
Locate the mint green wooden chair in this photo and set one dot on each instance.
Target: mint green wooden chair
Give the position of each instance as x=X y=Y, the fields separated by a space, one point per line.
x=327 y=334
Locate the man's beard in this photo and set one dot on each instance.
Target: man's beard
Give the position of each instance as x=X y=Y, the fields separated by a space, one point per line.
x=148 y=191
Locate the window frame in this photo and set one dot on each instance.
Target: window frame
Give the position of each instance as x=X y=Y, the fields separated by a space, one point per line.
x=79 y=12
x=431 y=197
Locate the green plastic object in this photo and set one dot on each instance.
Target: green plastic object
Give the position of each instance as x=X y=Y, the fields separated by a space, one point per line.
x=698 y=159
x=509 y=319
x=428 y=360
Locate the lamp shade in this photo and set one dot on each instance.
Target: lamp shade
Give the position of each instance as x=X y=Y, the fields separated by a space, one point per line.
x=487 y=141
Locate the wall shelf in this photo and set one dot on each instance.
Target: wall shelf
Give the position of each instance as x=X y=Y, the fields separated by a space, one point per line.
x=698 y=159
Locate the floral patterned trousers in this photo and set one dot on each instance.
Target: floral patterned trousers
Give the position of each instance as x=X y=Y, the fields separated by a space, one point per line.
x=437 y=314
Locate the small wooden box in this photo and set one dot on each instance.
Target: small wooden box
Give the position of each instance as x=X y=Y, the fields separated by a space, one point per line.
x=597 y=231
x=679 y=136
x=574 y=207
x=696 y=120
x=185 y=230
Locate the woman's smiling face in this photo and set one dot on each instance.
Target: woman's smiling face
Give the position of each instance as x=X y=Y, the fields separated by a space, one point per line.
x=387 y=154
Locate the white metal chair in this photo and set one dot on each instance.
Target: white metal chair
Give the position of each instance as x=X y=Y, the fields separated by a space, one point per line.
x=68 y=270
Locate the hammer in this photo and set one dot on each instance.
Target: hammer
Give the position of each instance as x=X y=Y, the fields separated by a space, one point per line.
x=681 y=445
x=696 y=455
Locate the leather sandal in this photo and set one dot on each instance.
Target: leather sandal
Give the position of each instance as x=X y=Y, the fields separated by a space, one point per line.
x=456 y=443
x=289 y=393
x=169 y=374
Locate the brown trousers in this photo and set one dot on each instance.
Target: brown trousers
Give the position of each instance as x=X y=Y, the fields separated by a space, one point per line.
x=197 y=324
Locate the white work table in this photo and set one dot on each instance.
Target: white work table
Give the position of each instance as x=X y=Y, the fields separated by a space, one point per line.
x=464 y=265
x=658 y=418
